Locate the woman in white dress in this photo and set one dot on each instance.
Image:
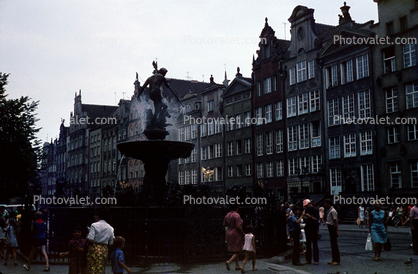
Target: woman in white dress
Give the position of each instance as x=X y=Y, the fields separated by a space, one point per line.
x=360 y=215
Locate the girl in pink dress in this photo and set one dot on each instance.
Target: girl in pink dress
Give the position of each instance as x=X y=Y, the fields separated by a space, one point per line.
x=234 y=235
x=249 y=247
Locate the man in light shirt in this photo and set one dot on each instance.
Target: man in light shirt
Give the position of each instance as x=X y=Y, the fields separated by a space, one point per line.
x=332 y=223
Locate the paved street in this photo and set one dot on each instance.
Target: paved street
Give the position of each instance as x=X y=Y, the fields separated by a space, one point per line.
x=354 y=259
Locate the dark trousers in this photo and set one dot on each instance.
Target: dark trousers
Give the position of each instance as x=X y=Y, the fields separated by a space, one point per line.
x=415 y=237
x=296 y=236
x=312 y=239
x=334 y=245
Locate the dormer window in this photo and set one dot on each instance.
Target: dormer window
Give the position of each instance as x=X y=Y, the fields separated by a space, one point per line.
x=301 y=33
x=266 y=51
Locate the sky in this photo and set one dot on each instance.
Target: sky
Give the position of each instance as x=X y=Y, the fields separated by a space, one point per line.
x=54 y=48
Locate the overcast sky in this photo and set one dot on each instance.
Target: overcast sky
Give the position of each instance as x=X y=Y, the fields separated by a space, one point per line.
x=54 y=48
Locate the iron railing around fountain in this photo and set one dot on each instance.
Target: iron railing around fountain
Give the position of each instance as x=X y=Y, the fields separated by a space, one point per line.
x=168 y=234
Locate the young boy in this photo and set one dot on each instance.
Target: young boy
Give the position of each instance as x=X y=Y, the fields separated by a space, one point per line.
x=117 y=258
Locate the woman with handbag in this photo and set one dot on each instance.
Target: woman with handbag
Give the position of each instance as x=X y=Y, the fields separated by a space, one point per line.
x=378 y=228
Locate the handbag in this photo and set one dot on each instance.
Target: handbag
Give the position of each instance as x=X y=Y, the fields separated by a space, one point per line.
x=387 y=246
x=358 y=221
x=369 y=245
x=6 y=241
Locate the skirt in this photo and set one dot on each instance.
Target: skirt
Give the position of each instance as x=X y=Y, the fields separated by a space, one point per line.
x=96 y=258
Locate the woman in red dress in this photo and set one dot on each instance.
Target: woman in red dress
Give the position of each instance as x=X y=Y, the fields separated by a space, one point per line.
x=234 y=235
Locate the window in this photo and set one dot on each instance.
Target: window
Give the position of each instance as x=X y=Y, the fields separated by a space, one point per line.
x=409 y=55
x=259 y=139
x=314 y=99
x=389 y=28
x=348 y=107
x=332 y=76
x=303 y=136
x=268 y=113
x=391 y=100
x=269 y=142
x=346 y=72
x=311 y=68
x=239 y=147
x=218 y=150
x=269 y=169
x=230 y=171
x=203 y=130
x=350 y=145
x=239 y=170
x=279 y=168
x=293 y=166
x=364 y=107
x=412 y=132
x=395 y=175
x=193 y=155
x=203 y=153
x=292 y=138
x=335 y=181
x=238 y=121
x=333 y=112
x=278 y=111
x=393 y=135
x=362 y=66
x=218 y=127
x=218 y=173
x=389 y=64
x=210 y=105
x=247 y=117
x=279 y=141
x=301 y=70
x=267 y=85
x=367 y=178
x=266 y=51
x=411 y=95
x=291 y=107
x=211 y=128
x=260 y=173
x=316 y=163
x=316 y=134
x=366 y=147
x=274 y=83
x=231 y=123
x=248 y=170
x=414 y=173
x=210 y=152
x=181 y=177
x=194 y=176
x=259 y=89
x=230 y=148
x=304 y=165
x=259 y=115
x=187 y=133
x=187 y=177
x=247 y=144
x=292 y=76
x=303 y=103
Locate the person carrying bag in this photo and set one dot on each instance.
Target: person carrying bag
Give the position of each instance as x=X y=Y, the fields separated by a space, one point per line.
x=369 y=245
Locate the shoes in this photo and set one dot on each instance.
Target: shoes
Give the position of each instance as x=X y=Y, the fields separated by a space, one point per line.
x=46 y=269
x=329 y=262
x=26 y=267
x=298 y=264
x=15 y=263
x=335 y=263
x=238 y=268
x=316 y=263
x=306 y=263
x=227 y=266
x=242 y=270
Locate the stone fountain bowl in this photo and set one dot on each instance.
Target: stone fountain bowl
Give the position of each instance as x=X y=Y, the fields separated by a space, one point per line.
x=156 y=149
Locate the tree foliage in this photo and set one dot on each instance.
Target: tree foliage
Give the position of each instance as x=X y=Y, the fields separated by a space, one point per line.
x=19 y=147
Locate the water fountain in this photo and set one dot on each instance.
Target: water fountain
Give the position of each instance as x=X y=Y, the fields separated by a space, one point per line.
x=156 y=152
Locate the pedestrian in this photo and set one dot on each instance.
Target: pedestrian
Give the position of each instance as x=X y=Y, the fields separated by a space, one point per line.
x=75 y=251
x=294 y=228
x=378 y=228
x=302 y=239
x=234 y=235
x=332 y=223
x=38 y=240
x=413 y=216
x=360 y=215
x=366 y=216
x=311 y=218
x=2 y=236
x=11 y=233
x=100 y=237
x=321 y=215
x=249 y=248
x=117 y=258
x=399 y=214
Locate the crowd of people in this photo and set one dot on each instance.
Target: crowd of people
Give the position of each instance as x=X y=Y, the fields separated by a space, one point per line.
x=86 y=255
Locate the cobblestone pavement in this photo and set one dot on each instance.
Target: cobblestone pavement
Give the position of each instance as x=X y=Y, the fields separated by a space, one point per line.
x=354 y=259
